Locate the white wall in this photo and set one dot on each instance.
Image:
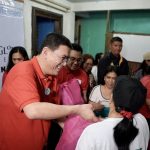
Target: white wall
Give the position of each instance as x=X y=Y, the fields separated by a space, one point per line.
x=111 y=5
x=12 y=32
x=69 y=25
x=68 y=20
x=134 y=46
x=69 y=17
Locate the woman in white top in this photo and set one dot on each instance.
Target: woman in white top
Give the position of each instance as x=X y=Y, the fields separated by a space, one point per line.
x=125 y=128
x=101 y=94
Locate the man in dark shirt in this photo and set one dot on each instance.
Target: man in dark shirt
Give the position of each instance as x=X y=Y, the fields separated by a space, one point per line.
x=113 y=58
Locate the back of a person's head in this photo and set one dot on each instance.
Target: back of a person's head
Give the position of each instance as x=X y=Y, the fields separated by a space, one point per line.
x=116 y=39
x=98 y=56
x=54 y=40
x=16 y=49
x=77 y=47
x=128 y=95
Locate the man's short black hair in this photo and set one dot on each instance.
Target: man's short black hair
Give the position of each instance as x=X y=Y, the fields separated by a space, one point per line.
x=114 y=39
x=77 y=47
x=54 y=40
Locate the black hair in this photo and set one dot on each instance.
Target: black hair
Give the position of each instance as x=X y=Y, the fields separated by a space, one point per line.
x=128 y=95
x=98 y=56
x=54 y=40
x=108 y=70
x=77 y=47
x=114 y=39
x=145 y=68
x=124 y=133
x=16 y=49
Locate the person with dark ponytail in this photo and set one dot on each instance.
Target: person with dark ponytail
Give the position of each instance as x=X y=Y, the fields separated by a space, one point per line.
x=125 y=128
x=128 y=96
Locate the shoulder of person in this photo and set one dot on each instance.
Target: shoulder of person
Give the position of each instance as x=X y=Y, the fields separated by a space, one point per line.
x=106 y=58
x=5 y=73
x=24 y=66
x=145 y=79
x=82 y=71
x=63 y=70
x=94 y=68
x=106 y=55
x=96 y=87
x=124 y=59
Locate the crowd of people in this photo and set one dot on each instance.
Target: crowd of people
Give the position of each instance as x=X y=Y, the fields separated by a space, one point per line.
x=115 y=107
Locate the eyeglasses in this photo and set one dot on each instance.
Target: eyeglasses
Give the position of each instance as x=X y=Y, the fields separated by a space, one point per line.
x=63 y=58
x=73 y=59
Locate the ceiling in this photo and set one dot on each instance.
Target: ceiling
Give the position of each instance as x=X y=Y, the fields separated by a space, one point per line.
x=75 y=1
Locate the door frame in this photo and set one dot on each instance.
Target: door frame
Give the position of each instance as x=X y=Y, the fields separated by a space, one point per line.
x=37 y=12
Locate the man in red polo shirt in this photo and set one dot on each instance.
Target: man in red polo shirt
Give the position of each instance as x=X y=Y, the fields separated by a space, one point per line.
x=28 y=98
x=73 y=69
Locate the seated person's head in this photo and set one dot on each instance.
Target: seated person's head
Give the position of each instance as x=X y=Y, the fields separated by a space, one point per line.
x=75 y=57
x=110 y=76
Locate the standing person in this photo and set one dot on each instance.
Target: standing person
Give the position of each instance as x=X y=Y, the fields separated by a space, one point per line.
x=98 y=56
x=16 y=55
x=113 y=58
x=66 y=74
x=125 y=128
x=28 y=98
x=73 y=69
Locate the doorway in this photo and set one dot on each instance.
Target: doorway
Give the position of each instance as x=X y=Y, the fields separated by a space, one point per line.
x=43 y=22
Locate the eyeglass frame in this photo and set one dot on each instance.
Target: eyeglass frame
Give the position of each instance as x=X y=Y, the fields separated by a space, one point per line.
x=73 y=59
x=64 y=59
